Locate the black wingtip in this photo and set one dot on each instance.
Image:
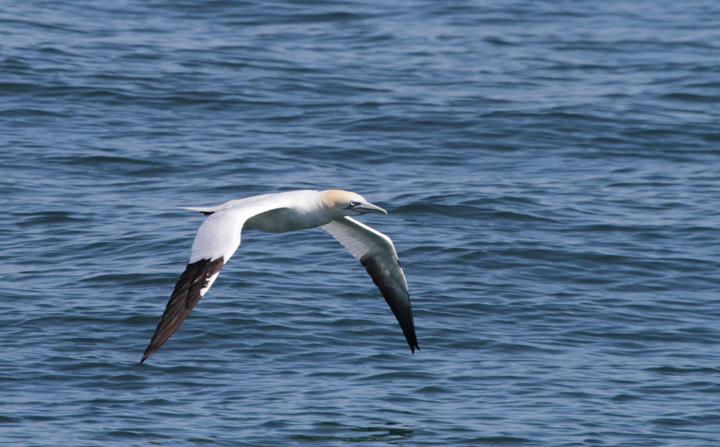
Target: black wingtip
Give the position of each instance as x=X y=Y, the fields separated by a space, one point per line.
x=183 y=299
x=413 y=345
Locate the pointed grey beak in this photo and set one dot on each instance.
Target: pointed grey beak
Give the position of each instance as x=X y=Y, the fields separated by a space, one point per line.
x=369 y=208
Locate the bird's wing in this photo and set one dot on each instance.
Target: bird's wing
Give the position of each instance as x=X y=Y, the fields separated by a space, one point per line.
x=215 y=242
x=376 y=253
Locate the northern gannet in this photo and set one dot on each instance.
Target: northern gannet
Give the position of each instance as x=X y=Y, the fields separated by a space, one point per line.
x=219 y=236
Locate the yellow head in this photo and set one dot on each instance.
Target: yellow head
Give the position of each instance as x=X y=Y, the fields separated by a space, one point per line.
x=349 y=203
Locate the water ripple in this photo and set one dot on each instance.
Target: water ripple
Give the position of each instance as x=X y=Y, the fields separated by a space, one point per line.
x=551 y=176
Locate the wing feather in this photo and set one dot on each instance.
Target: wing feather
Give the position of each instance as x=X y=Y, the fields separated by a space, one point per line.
x=192 y=285
x=215 y=242
x=377 y=254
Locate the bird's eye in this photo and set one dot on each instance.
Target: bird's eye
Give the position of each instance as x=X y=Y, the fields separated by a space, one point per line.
x=354 y=203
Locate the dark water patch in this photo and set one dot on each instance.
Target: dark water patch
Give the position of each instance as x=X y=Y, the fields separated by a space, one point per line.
x=17 y=88
x=339 y=432
x=497 y=41
x=515 y=216
x=23 y=112
x=136 y=434
x=688 y=97
x=39 y=418
x=673 y=370
x=625 y=398
x=711 y=137
x=108 y=160
x=498 y=440
x=49 y=217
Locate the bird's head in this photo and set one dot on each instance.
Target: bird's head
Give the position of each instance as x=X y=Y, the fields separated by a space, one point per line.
x=348 y=203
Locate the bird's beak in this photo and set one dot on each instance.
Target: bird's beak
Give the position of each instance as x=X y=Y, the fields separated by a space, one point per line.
x=369 y=208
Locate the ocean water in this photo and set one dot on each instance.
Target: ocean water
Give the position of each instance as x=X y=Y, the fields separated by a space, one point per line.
x=552 y=174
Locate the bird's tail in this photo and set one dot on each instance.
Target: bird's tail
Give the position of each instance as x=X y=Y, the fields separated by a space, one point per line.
x=206 y=210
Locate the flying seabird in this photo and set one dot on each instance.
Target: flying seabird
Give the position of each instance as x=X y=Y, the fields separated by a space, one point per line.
x=219 y=236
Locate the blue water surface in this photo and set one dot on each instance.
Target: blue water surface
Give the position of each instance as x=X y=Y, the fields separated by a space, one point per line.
x=552 y=174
